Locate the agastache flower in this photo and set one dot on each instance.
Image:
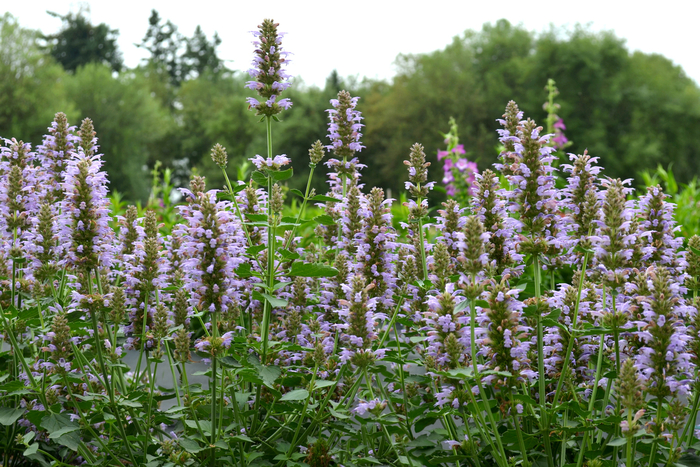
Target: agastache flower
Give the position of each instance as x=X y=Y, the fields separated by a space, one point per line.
x=376 y=243
x=448 y=339
x=614 y=239
x=657 y=228
x=663 y=359
x=534 y=195
x=54 y=152
x=271 y=163
x=506 y=341
x=344 y=127
x=509 y=158
x=270 y=77
x=344 y=132
x=85 y=218
x=489 y=206
x=212 y=248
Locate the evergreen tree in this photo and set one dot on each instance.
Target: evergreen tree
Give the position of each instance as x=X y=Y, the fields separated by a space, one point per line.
x=79 y=42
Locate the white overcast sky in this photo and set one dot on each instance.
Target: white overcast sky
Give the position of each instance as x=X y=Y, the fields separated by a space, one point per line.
x=362 y=37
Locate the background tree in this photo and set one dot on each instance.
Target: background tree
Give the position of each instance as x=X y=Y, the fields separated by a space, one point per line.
x=129 y=122
x=79 y=42
x=32 y=84
x=177 y=56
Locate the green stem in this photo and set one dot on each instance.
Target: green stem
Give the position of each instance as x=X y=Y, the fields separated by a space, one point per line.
x=422 y=243
x=655 y=444
x=477 y=377
x=402 y=379
x=303 y=412
x=239 y=213
x=692 y=418
x=89 y=426
x=214 y=333
x=574 y=321
x=137 y=372
x=630 y=451
x=171 y=363
x=521 y=442
x=303 y=205
x=385 y=432
x=540 y=367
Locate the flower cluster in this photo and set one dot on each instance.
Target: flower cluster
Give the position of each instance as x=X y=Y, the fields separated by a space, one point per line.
x=270 y=77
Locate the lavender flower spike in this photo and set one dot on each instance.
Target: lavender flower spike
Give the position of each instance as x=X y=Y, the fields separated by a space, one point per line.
x=270 y=77
x=85 y=217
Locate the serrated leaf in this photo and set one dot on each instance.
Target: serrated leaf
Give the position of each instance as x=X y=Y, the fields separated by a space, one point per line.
x=189 y=445
x=268 y=374
x=259 y=178
x=254 y=250
x=243 y=270
x=229 y=362
x=274 y=302
x=585 y=251
x=282 y=174
x=9 y=416
x=322 y=383
x=461 y=373
x=338 y=415
x=288 y=255
x=618 y=442
x=32 y=449
x=325 y=199
x=461 y=306
x=312 y=270
x=296 y=395
x=58 y=424
x=256 y=217
x=689 y=460
x=324 y=219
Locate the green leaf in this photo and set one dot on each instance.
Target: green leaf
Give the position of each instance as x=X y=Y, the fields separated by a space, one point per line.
x=338 y=415
x=31 y=450
x=288 y=255
x=282 y=174
x=256 y=217
x=312 y=270
x=58 y=425
x=296 y=395
x=9 y=416
x=461 y=373
x=689 y=460
x=297 y=192
x=128 y=403
x=268 y=374
x=274 y=302
x=324 y=219
x=583 y=250
x=694 y=250
x=229 y=362
x=618 y=442
x=28 y=437
x=325 y=199
x=254 y=250
x=321 y=383
x=189 y=445
x=244 y=270
x=259 y=178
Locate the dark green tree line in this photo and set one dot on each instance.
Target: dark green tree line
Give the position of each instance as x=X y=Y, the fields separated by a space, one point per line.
x=634 y=110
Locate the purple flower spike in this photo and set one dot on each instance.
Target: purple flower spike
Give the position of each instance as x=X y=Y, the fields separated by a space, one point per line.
x=268 y=72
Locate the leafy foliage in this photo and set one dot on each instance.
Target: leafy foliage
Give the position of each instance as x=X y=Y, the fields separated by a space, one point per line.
x=79 y=42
